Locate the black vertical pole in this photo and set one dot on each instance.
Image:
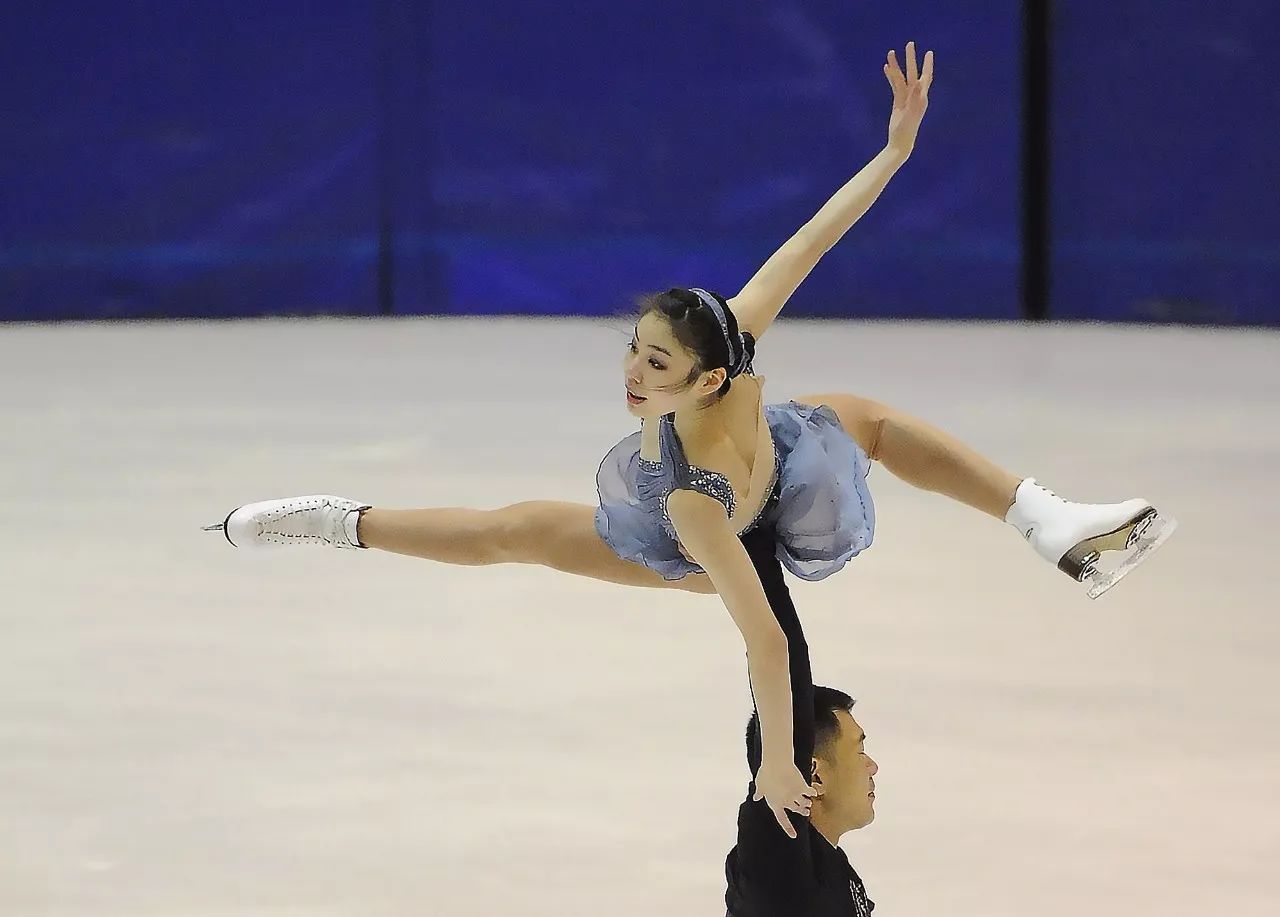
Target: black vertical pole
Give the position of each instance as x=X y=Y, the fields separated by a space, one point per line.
x=384 y=77
x=1037 y=16
x=411 y=271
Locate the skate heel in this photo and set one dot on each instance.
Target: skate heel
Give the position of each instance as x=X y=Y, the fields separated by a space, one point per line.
x=1081 y=561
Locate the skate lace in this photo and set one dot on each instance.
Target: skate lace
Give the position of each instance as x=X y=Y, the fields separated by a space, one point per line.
x=309 y=521
x=1052 y=494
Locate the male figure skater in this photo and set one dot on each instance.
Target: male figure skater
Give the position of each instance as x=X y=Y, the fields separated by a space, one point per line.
x=770 y=873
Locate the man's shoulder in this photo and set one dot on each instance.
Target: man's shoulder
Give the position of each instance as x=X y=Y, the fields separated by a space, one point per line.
x=765 y=853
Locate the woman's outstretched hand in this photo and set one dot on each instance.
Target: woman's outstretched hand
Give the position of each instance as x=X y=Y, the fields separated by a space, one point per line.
x=783 y=787
x=910 y=98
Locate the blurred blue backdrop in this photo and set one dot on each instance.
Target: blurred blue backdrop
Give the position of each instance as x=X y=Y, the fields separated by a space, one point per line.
x=542 y=157
x=1166 y=119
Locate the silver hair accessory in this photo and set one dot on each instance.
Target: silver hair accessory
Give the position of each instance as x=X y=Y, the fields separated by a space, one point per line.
x=743 y=361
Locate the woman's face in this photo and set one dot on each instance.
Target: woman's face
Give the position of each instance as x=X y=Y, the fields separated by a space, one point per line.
x=655 y=368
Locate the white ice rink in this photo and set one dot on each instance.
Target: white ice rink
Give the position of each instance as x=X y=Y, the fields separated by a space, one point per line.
x=191 y=731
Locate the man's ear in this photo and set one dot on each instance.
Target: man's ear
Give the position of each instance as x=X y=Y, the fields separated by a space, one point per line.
x=814 y=777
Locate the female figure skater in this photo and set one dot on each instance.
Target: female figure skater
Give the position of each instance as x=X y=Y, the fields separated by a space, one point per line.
x=712 y=462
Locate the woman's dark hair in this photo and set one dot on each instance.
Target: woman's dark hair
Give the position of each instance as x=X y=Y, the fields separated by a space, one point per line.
x=698 y=330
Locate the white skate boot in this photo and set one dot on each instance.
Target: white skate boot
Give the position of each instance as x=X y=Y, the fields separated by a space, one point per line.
x=1075 y=535
x=316 y=519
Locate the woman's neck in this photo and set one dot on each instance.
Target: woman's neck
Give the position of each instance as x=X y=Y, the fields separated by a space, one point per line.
x=709 y=421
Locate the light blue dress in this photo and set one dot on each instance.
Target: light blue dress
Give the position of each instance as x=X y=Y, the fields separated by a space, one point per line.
x=821 y=509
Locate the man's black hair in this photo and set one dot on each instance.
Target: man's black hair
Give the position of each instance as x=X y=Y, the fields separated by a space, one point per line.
x=826 y=702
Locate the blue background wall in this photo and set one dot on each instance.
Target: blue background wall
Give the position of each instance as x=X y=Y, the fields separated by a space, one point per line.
x=1165 y=160
x=543 y=157
x=163 y=160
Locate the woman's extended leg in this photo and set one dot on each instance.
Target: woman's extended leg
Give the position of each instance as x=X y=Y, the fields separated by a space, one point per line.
x=548 y=533
x=922 y=455
x=545 y=532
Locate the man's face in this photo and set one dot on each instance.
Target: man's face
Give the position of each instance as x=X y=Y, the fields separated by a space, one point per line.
x=848 y=773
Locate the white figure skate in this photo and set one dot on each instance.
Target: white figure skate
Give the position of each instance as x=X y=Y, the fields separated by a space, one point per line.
x=317 y=519
x=1076 y=536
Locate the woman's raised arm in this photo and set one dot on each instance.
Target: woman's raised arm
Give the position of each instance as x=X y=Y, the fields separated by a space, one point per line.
x=760 y=301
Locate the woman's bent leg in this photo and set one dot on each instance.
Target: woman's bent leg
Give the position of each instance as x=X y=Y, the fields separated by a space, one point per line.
x=922 y=455
x=1073 y=536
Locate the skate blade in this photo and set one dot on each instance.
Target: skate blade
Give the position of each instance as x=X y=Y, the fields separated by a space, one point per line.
x=1155 y=533
x=221 y=527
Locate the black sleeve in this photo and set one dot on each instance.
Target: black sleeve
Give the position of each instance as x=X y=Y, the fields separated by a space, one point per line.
x=766 y=856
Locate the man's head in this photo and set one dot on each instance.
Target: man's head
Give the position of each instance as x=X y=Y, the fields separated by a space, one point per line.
x=841 y=765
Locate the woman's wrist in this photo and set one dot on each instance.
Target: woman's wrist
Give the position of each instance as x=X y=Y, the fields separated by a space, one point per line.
x=776 y=757
x=896 y=154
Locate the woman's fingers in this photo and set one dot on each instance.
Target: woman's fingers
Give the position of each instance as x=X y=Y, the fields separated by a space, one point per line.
x=889 y=73
x=802 y=806
x=894 y=73
x=927 y=76
x=913 y=72
x=783 y=821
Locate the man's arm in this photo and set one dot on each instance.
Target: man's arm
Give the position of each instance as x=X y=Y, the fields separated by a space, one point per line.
x=769 y=862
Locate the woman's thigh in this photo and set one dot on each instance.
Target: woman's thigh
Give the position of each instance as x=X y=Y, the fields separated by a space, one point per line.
x=563 y=536
x=862 y=418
